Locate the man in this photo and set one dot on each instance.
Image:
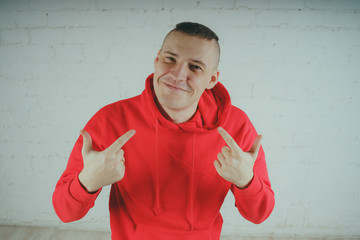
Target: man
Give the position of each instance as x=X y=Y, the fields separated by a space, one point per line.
x=171 y=153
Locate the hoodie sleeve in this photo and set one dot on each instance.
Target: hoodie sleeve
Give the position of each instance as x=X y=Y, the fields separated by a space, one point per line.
x=256 y=202
x=70 y=200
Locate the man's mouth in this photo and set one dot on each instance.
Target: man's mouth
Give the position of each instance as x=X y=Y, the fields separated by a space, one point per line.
x=174 y=88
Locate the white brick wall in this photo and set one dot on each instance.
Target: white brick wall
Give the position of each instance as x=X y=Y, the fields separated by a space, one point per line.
x=293 y=66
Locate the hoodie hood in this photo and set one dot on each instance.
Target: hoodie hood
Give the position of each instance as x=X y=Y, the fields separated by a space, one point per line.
x=213 y=109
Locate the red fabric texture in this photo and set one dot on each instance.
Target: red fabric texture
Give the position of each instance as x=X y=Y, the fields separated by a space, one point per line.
x=171 y=189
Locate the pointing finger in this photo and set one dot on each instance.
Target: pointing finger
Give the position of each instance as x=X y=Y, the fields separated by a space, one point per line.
x=120 y=142
x=228 y=139
x=87 y=142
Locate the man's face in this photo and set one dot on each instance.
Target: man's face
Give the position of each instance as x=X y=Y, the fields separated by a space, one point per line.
x=184 y=67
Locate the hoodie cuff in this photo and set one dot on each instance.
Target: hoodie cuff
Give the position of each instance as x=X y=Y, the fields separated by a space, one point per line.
x=77 y=191
x=251 y=190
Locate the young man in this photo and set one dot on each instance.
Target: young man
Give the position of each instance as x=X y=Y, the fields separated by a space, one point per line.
x=171 y=153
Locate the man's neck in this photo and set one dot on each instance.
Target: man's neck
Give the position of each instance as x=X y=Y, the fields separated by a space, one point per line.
x=176 y=116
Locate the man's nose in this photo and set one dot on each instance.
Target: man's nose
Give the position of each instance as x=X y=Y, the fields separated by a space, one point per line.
x=180 y=72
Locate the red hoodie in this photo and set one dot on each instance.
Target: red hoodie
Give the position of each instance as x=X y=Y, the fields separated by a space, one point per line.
x=171 y=189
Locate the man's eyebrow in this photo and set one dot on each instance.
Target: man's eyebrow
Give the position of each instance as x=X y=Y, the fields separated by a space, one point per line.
x=193 y=60
x=199 y=62
x=171 y=53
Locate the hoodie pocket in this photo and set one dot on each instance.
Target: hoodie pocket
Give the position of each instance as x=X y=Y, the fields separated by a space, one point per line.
x=144 y=232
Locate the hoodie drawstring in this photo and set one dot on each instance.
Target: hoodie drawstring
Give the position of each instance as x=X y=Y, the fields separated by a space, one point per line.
x=192 y=186
x=157 y=209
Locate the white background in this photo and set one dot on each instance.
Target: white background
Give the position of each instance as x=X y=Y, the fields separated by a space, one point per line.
x=292 y=66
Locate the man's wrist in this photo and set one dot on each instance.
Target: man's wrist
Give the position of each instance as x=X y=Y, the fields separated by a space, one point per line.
x=85 y=185
x=243 y=186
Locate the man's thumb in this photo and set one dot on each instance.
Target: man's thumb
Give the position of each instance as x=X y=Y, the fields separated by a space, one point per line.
x=87 y=142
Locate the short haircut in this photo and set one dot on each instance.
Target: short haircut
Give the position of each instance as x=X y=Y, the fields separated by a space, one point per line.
x=196 y=29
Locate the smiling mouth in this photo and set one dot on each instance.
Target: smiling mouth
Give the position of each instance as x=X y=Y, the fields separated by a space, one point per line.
x=175 y=88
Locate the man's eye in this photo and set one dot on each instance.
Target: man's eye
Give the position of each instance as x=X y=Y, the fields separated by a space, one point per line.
x=171 y=59
x=195 y=67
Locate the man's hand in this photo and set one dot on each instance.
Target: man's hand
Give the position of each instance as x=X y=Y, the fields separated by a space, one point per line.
x=105 y=167
x=235 y=165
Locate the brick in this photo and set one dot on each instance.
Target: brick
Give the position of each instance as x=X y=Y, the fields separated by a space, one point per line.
x=153 y=19
x=266 y=54
x=281 y=4
x=65 y=53
x=272 y=18
x=180 y=5
x=78 y=72
x=239 y=90
x=10 y=54
x=135 y=20
x=214 y=4
x=46 y=36
x=269 y=4
x=46 y=71
x=7 y=19
x=279 y=37
x=36 y=54
x=18 y=5
x=306 y=18
x=14 y=36
x=83 y=18
x=80 y=36
x=12 y=96
x=333 y=4
x=247 y=35
x=251 y=4
x=270 y=91
x=9 y=70
x=119 y=18
x=342 y=20
x=327 y=38
x=45 y=6
x=235 y=18
x=31 y=19
x=94 y=18
x=353 y=61
x=63 y=18
x=96 y=54
x=194 y=15
x=129 y=4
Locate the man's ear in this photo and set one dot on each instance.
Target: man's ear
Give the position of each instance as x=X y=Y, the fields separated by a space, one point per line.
x=213 y=80
x=157 y=57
